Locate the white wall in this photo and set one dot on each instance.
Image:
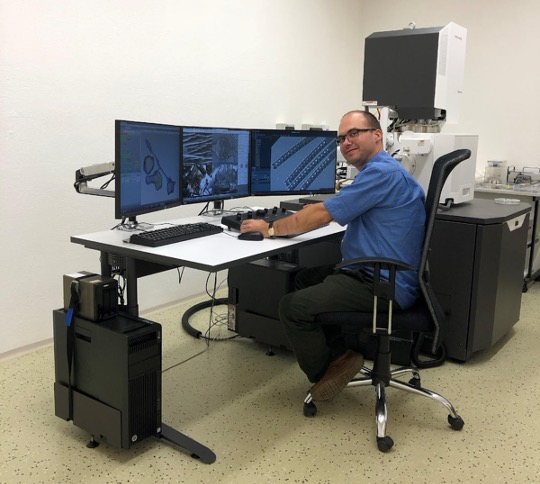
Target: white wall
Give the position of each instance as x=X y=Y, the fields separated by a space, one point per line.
x=69 y=68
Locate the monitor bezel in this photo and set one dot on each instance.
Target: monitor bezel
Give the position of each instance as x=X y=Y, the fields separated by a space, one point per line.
x=284 y=132
x=121 y=214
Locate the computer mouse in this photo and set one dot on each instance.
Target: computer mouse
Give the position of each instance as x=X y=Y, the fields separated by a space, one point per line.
x=251 y=236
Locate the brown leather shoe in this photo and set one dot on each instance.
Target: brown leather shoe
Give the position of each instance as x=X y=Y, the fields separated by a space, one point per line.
x=339 y=373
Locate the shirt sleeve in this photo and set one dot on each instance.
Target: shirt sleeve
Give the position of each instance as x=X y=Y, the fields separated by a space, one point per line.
x=369 y=189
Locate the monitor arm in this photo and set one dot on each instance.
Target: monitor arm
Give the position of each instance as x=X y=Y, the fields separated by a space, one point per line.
x=88 y=173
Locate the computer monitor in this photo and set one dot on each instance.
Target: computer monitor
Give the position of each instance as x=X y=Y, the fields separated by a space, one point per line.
x=215 y=164
x=292 y=162
x=147 y=168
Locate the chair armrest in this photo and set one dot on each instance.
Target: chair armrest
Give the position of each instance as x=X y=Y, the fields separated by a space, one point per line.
x=383 y=262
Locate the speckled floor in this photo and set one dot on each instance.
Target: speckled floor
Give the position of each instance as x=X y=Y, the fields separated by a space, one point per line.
x=247 y=408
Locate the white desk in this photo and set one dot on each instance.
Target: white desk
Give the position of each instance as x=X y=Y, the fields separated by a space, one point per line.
x=212 y=253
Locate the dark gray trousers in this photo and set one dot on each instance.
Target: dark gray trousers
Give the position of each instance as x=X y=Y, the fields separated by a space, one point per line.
x=320 y=290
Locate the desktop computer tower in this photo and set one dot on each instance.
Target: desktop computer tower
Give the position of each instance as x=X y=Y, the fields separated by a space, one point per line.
x=115 y=390
x=254 y=293
x=256 y=288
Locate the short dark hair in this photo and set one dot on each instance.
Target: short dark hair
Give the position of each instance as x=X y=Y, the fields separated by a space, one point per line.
x=371 y=120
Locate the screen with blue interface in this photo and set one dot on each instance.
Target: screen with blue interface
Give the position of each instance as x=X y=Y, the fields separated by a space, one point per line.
x=291 y=162
x=147 y=168
x=215 y=164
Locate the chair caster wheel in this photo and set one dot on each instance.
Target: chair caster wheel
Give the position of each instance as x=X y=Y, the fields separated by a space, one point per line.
x=310 y=409
x=415 y=382
x=457 y=423
x=385 y=443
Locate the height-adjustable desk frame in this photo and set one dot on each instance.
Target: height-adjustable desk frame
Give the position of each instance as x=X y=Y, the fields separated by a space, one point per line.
x=211 y=254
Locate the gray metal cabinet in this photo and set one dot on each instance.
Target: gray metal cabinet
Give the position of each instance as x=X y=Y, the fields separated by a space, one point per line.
x=477 y=259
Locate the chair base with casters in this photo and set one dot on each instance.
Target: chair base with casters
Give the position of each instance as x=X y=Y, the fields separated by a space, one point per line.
x=381 y=377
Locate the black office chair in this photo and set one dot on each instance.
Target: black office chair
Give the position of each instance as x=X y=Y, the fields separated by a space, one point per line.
x=425 y=318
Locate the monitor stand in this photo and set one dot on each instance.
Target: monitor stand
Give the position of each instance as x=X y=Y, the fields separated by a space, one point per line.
x=217 y=211
x=131 y=224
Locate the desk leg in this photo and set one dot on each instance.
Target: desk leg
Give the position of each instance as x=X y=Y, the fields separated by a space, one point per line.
x=169 y=434
x=197 y=450
x=132 y=301
x=132 y=298
x=104 y=262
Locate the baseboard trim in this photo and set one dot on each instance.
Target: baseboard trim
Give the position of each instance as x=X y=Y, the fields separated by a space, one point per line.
x=23 y=350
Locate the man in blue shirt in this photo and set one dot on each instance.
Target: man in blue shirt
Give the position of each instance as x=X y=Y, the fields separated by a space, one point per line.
x=384 y=212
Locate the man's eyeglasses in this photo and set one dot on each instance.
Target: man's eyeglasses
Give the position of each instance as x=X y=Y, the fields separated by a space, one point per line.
x=351 y=134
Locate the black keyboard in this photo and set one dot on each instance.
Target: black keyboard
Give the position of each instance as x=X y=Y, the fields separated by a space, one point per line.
x=175 y=233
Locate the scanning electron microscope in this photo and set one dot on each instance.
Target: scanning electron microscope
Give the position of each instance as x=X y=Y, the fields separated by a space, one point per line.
x=414 y=78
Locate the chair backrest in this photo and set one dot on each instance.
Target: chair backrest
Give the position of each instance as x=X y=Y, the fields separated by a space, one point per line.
x=442 y=167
